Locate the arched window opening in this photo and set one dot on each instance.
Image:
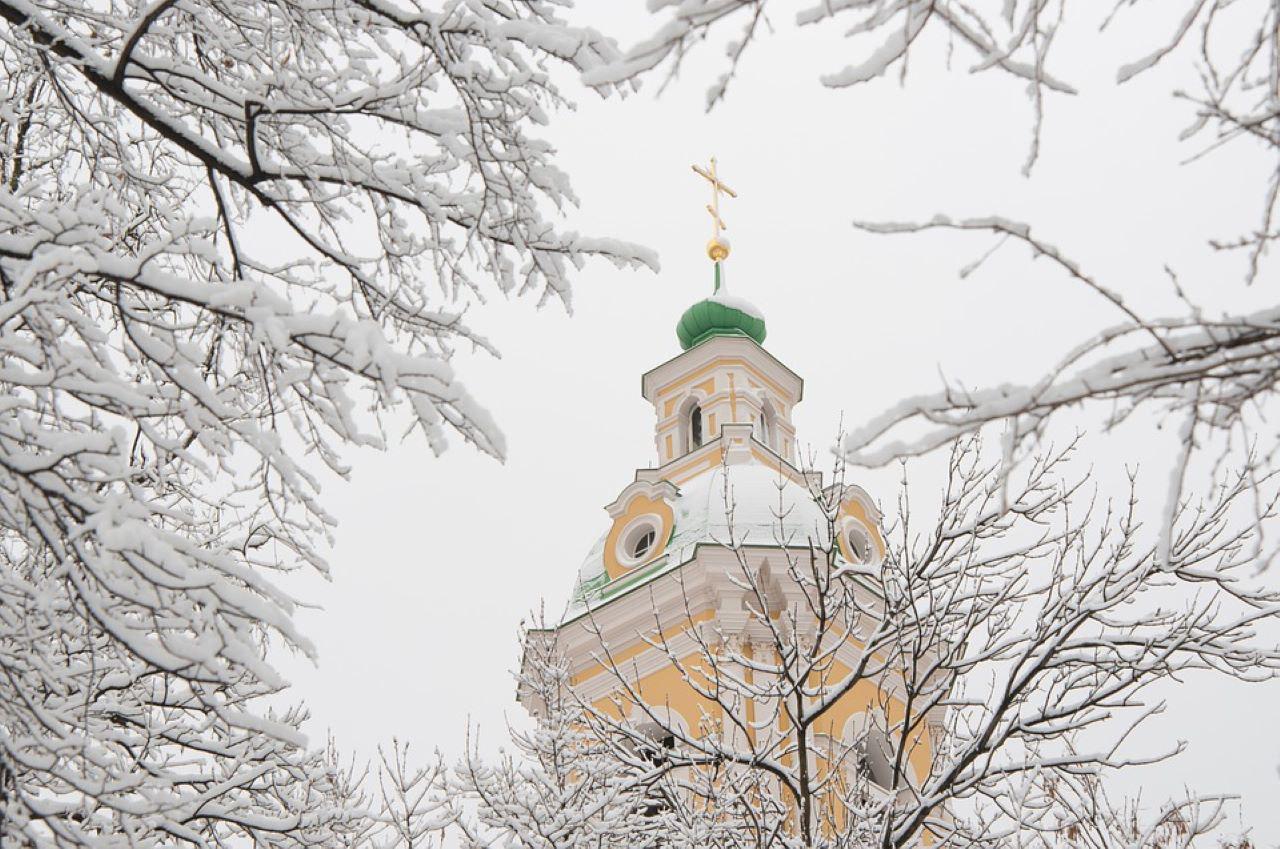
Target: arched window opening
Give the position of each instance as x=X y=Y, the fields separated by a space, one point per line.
x=871 y=753
x=873 y=760
x=657 y=745
x=767 y=429
x=695 y=427
x=661 y=743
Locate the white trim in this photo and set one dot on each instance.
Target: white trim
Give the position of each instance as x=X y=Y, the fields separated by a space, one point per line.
x=656 y=490
x=678 y=367
x=853 y=492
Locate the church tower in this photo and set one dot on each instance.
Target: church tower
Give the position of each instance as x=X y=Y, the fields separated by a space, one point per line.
x=701 y=553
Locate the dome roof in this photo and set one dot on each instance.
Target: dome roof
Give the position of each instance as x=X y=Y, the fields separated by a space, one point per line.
x=720 y=315
x=759 y=495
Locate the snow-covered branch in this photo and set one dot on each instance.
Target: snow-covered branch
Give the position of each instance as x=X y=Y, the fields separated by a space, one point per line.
x=232 y=236
x=1004 y=652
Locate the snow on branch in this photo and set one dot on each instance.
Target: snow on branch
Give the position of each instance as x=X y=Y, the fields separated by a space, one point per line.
x=233 y=236
x=980 y=684
x=1011 y=37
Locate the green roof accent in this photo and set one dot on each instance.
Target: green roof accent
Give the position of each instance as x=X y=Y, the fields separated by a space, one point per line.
x=711 y=317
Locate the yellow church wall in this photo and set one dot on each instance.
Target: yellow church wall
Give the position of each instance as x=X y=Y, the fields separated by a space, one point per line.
x=708 y=386
x=678 y=389
x=866 y=696
x=666 y=688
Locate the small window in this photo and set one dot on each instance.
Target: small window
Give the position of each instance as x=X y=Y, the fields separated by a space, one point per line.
x=639 y=542
x=767 y=427
x=643 y=544
x=695 y=427
x=659 y=752
x=857 y=545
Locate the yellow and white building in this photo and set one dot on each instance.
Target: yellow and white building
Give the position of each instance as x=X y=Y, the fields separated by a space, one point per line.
x=660 y=582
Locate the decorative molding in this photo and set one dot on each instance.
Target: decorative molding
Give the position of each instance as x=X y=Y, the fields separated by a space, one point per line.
x=652 y=486
x=685 y=365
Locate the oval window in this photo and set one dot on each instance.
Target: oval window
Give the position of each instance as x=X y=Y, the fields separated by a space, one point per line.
x=643 y=544
x=639 y=541
x=857 y=545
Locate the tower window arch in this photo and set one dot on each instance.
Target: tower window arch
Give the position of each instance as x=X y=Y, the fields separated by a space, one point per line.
x=695 y=426
x=767 y=425
x=657 y=733
x=692 y=422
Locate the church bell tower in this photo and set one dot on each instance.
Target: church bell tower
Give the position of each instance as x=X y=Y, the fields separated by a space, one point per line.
x=726 y=499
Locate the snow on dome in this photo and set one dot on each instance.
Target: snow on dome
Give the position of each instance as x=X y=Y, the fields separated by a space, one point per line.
x=759 y=496
x=742 y=305
x=720 y=314
x=768 y=509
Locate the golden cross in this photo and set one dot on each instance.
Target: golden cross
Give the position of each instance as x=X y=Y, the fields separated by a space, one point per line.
x=717 y=249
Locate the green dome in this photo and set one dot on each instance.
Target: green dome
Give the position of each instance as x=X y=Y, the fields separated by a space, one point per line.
x=719 y=315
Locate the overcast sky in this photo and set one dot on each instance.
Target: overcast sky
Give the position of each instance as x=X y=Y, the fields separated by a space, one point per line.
x=439 y=559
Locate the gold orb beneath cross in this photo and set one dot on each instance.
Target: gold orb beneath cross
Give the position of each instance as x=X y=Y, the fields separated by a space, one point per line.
x=718 y=249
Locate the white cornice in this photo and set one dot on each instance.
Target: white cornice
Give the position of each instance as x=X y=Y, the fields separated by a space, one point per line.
x=656 y=489
x=694 y=458
x=853 y=492
x=717 y=347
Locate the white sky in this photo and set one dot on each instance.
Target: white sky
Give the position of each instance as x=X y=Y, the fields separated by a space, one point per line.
x=438 y=560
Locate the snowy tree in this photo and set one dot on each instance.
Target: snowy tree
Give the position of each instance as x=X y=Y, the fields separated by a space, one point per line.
x=1014 y=642
x=233 y=235
x=1210 y=368
x=563 y=786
